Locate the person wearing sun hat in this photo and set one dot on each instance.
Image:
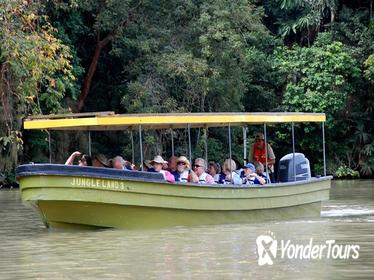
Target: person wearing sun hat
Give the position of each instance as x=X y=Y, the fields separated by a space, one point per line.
x=184 y=173
x=157 y=164
x=250 y=175
x=100 y=160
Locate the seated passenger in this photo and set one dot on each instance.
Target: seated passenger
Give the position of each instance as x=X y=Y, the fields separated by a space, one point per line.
x=260 y=171
x=129 y=165
x=172 y=164
x=165 y=166
x=184 y=173
x=100 y=160
x=157 y=163
x=147 y=166
x=214 y=170
x=231 y=177
x=118 y=163
x=251 y=177
x=199 y=168
x=85 y=160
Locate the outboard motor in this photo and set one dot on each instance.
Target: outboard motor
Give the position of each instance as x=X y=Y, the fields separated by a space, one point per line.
x=286 y=171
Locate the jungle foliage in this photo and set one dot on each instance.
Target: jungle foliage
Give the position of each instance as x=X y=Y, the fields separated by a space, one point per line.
x=138 y=56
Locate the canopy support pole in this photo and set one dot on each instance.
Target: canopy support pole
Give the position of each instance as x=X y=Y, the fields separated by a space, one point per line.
x=230 y=154
x=189 y=143
x=293 y=150
x=172 y=142
x=132 y=148
x=141 y=147
x=206 y=145
x=266 y=153
x=245 y=144
x=49 y=146
x=89 y=143
x=324 y=149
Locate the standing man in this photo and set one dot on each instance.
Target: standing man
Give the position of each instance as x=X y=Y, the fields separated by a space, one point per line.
x=258 y=154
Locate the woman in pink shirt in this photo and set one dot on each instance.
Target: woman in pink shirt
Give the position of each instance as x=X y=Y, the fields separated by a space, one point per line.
x=157 y=163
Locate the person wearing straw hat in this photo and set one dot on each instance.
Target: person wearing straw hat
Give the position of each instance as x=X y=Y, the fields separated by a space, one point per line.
x=100 y=160
x=184 y=173
x=157 y=164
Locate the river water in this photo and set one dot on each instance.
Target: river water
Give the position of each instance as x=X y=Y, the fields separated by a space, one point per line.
x=30 y=251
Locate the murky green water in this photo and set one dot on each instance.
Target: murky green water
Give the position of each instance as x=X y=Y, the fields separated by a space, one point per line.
x=28 y=250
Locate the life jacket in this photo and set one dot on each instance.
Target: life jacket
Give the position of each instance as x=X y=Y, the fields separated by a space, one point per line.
x=235 y=179
x=182 y=177
x=219 y=178
x=260 y=154
x=202 y=178
x=251 y=181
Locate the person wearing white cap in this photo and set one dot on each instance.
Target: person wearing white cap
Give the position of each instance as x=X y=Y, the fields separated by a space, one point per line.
x=157 y=164
x=250 y=175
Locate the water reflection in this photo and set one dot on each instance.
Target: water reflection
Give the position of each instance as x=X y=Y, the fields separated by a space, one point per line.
x=28 y=250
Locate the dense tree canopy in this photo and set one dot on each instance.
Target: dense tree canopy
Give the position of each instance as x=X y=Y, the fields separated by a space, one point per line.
x=190 y=56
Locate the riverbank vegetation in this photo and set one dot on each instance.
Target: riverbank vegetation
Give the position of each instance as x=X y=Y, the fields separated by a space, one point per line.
x=189 y=56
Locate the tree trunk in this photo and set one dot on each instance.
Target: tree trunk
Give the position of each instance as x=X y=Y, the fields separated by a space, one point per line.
x=95 y=59
x=91 y=71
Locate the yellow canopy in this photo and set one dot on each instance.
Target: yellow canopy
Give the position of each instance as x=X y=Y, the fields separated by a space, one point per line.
x=111 y=121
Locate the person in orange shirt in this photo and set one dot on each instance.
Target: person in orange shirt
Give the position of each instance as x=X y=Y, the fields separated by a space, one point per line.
x=258 y=154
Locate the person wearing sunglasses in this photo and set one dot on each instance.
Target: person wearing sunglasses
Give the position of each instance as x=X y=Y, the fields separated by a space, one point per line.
x=199 y=168
x=258 y=154
x=183 y=172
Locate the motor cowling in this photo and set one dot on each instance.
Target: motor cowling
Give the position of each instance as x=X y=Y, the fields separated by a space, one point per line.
x=286 y=168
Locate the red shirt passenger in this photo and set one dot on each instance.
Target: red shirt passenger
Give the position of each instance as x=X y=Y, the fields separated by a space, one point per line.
x=258 y=152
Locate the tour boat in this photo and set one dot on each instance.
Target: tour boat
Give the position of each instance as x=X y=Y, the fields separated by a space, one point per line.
x=73 y=197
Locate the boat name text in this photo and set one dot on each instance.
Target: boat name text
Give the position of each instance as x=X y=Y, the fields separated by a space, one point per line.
x=98 y=183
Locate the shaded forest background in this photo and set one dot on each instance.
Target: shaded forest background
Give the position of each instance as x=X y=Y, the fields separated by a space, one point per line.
x=189 y=56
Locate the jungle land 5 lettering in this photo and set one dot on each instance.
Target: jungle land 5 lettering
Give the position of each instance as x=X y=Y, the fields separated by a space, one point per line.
x=267 y=250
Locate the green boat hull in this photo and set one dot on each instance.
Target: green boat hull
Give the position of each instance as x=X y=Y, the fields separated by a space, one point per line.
x=91 y=201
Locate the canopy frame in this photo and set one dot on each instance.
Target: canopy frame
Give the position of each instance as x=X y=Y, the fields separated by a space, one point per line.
x=111 y=121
